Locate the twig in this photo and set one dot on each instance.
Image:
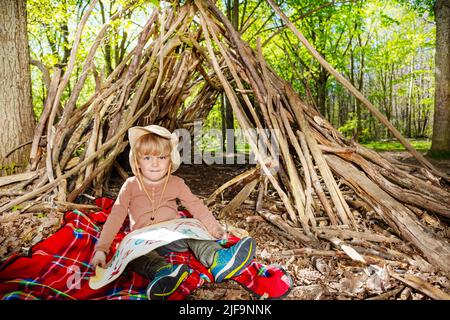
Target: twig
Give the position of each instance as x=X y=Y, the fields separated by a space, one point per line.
x=18 y=147
x=421 y=285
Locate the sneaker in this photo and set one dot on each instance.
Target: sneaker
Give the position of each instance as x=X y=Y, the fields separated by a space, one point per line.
x=166 y=281
x=229 y=262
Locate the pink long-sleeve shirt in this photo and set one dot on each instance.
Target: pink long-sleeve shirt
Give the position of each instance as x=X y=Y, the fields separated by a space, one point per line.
x=133 y=201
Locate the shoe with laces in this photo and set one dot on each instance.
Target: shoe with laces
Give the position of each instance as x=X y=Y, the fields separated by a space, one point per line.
x=229 y=262
x=167 y=280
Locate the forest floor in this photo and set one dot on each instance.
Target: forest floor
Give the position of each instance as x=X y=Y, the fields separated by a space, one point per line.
x=314 y=277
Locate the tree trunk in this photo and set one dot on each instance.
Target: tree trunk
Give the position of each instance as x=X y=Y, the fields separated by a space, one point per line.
x=233 y=15
x=359 y=126
x=322 y=91
x=107 y=45
x=441 y=129
x=16 y=112
x=229 y=124
x=222 y=116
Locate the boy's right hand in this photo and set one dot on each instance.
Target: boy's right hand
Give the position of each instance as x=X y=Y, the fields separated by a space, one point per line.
x=99 y=258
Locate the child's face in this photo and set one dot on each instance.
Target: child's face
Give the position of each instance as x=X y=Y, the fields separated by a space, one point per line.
x=154 y=168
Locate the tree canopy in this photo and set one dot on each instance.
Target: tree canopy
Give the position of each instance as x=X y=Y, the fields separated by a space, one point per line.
x=384 y=47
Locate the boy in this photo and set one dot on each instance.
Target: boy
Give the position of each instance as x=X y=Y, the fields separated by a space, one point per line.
x=150 y=197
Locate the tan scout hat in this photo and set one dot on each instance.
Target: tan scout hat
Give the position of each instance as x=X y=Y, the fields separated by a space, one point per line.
x=134 y=133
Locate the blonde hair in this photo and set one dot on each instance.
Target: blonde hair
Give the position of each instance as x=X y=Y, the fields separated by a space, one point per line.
x=152 y=144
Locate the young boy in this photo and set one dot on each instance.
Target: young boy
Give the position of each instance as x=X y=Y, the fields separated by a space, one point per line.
x=150 y=197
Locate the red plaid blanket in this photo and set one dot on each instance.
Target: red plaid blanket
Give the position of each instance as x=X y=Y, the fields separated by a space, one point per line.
x=58 y=267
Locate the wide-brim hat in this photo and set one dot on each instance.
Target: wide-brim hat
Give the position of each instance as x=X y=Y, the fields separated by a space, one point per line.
x=134 y=133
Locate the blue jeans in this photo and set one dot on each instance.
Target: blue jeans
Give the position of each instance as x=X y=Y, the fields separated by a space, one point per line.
x=148 y=264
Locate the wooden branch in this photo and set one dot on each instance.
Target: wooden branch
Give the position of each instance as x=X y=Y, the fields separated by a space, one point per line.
x=315 y=180
x=18 y=147
x=280 y=223
x=121 y=171
x=340 y=254
x=391 y=169
x=311 y=252
x=261 y=193
x=252 y=219
x=51 y=92
x=62 y=206
x=44 y=70
x=388 y=294
x=65 y=81
x=239 y=198
x=394 y=213
x=235 y=38
x=350 y=234
x=245 y=97
x=306 y=169
x=421 y=285
x=420 y=194
x=105 y=163
x=352 y=253
x=342 y=208
x=17 y=178
x=249 y=174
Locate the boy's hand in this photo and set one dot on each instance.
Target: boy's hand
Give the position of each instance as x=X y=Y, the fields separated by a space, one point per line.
x=99 y=258
x=219 y=232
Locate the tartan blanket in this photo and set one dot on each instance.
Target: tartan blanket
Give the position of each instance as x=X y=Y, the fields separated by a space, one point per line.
x=58 y=267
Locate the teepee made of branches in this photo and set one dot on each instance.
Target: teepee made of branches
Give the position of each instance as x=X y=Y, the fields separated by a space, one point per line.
x=327 y=184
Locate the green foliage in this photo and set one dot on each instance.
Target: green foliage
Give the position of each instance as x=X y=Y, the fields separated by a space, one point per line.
x=389 y=145
x=423 y=7
x=16 y=208
x=11 y=168
x=383 y=42
x=155 y=2
x=350 y=127
x=211 y=142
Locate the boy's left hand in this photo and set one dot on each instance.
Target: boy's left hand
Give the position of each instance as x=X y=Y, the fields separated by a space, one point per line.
x=219 y=232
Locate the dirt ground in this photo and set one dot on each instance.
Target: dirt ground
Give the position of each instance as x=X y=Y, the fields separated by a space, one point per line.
x=314 y=277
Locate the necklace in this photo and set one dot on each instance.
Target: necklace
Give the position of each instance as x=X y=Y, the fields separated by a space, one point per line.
x=154 y=210
x=141 y=181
